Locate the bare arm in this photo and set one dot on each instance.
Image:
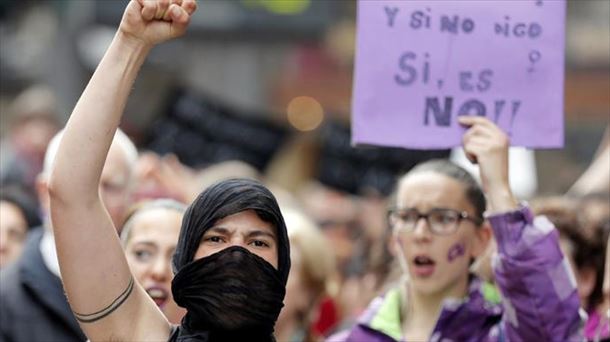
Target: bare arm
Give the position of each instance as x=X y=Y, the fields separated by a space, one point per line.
x=94 y=271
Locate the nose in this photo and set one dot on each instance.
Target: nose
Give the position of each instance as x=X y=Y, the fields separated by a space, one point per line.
x=421 y=230
x=160 y=269
x=237 y=241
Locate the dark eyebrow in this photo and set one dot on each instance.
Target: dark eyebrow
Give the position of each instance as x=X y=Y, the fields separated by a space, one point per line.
x=218 y=230
x=257 y=233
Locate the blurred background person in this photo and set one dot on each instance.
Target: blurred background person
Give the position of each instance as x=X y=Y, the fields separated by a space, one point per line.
x=336 y=213
x=583 y=244
x=18 y=214
x=310 y=281
x=31 y=286
x=33 y=122
x=163 y=177
x=149 y=237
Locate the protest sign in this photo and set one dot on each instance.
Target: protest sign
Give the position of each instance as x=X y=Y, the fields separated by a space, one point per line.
x=421 y=64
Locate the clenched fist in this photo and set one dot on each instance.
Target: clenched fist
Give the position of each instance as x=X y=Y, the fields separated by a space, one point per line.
x=155 y=21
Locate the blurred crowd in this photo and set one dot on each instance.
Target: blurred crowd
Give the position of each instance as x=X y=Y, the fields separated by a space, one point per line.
x=340 y=243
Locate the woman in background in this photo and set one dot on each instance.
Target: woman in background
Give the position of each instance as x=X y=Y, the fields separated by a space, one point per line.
x=312 y=272
x=18 y=214
x=149 y=237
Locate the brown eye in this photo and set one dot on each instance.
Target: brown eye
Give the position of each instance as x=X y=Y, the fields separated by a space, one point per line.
x=213 y=239
x=260 y=243
x=142 y=255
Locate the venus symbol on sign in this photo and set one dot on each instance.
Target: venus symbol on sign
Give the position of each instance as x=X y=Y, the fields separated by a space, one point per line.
x=534 y=57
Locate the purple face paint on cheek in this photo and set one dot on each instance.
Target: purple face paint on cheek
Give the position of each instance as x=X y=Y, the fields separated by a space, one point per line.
x=455 y=252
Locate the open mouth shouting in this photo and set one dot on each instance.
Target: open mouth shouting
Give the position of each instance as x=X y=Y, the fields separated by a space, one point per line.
x=158 y=294
x=423 y=266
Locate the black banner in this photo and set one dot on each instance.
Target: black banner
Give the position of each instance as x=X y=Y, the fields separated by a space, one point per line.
x=201 y=132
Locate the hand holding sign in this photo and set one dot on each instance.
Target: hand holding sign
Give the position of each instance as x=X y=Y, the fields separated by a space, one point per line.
x=486 y=144
x=422 y=64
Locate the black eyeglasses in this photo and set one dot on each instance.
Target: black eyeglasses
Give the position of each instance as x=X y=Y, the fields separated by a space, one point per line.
x=441 y=221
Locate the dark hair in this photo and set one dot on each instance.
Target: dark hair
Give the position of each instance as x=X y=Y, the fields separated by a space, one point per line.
x=588 y=238
x=474 y=193
x=19 y=198
x=225 y=198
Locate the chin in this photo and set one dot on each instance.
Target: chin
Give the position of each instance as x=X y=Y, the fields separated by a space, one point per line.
x=426 y=286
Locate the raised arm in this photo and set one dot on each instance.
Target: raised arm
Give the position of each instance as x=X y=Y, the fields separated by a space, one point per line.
x=97 y=280
x=537 y=284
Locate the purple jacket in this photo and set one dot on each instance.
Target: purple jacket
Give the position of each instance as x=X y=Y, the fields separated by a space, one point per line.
x=539 y=299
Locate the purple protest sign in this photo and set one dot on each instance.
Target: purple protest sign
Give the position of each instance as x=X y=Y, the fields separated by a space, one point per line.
x=420 y=64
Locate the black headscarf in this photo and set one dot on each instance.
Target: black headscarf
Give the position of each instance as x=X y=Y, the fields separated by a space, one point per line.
x=233 y=286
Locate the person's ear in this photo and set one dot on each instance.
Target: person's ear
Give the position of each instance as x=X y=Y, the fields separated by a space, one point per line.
x=482 y=237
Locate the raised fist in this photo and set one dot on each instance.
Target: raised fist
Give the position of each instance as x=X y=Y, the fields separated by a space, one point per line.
x=155 y=21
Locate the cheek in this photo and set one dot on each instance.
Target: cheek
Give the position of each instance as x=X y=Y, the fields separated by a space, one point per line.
x=15 y=247
x=399 y=244
x=204 y=251
x=456 y=251
x=269 y=256
x=138 y=269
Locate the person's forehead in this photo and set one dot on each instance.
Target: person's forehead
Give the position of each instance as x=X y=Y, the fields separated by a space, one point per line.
x=117 y=162
x=150 y=218
x=9 y=208
x=431 y=188
x=245 y=222
x=157 y=224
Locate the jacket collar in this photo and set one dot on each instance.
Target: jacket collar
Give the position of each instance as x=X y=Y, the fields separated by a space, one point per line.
x=44 y=285
x=383 y=314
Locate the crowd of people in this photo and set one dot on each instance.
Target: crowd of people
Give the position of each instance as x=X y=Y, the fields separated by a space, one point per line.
x=100 y=241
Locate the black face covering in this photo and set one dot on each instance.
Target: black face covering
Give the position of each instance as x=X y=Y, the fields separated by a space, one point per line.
x=231 y=295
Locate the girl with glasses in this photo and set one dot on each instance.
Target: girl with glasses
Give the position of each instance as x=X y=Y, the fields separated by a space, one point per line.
x=441 y=221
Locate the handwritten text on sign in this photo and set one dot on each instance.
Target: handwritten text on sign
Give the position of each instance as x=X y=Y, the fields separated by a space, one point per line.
x=420 y=64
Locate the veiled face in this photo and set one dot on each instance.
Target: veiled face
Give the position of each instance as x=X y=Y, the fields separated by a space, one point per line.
x=243 y=229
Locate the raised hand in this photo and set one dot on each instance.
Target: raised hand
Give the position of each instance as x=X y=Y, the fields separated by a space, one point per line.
x=487 y=145
x=154 y=21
